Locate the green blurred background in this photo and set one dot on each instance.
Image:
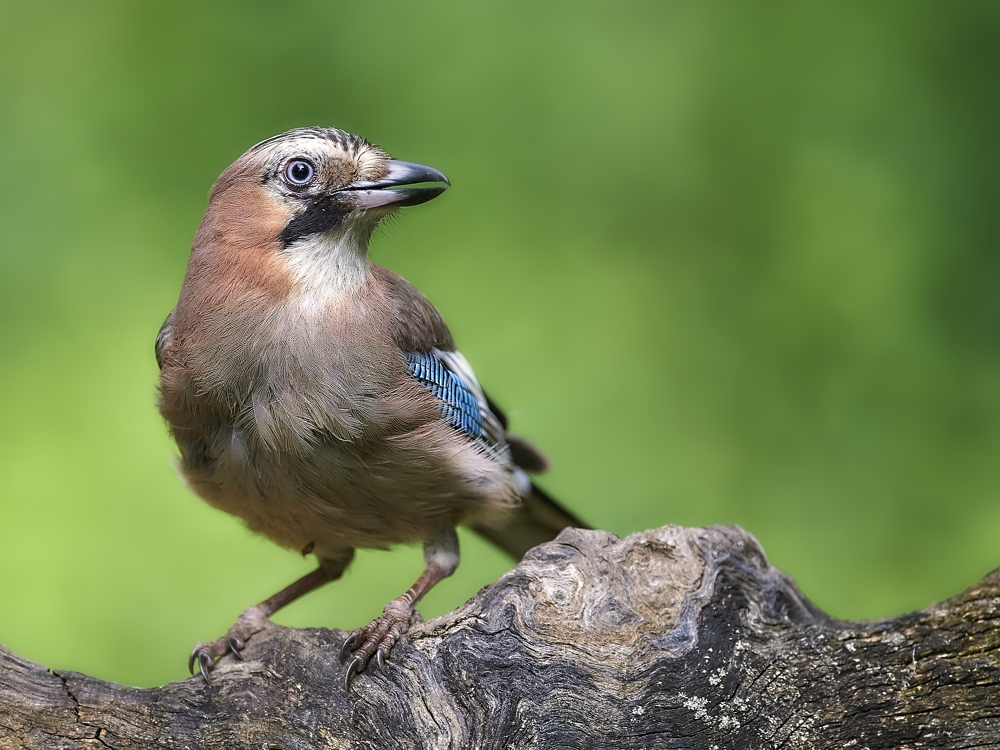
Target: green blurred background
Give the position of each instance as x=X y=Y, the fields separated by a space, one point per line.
x=727 y=263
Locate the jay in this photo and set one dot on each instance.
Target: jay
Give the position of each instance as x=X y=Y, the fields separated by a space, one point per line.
x=320 y=397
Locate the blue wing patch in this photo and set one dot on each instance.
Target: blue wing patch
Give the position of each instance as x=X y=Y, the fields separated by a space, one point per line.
x=459 y=406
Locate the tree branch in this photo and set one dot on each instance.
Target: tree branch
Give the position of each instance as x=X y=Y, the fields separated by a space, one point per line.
x=673 y=638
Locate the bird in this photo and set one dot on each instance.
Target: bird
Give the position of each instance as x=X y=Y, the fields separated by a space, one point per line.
x=321 y=398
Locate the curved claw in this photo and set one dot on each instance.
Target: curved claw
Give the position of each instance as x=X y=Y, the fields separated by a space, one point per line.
x=236 y=645
x=380 y=661
x=205 y=663
x=356 y=665
x=349 y=644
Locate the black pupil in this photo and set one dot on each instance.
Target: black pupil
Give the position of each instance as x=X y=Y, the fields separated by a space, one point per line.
x=300 y=171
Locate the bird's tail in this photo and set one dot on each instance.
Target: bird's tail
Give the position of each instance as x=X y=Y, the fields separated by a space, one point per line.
x=538 y=519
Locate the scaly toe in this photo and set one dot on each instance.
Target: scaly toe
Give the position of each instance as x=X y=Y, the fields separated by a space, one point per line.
x=205 y=654
x=376 y=639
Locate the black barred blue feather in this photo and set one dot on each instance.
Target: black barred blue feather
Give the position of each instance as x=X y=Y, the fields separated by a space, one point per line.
x=459 y=405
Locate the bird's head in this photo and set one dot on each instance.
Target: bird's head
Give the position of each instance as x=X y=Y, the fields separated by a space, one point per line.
x=310 y=199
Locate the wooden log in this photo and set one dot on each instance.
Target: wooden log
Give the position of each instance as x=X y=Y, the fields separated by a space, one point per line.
x=673 y=638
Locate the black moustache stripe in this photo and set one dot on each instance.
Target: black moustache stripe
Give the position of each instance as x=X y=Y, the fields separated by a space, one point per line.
x=322 y=215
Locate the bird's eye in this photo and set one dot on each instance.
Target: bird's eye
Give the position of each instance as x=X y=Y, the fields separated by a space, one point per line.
x=299 y=172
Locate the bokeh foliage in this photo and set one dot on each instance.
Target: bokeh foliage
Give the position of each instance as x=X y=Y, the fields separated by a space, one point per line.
x=727 y=263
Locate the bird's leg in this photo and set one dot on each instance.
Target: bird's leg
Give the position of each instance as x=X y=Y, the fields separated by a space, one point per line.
x=379 y=636
x=255 y=619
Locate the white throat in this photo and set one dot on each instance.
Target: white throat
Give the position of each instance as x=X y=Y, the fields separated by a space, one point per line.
x=331 y=266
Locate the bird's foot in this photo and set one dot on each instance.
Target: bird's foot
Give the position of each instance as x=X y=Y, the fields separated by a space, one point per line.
x=205 y=654
x=376 y=638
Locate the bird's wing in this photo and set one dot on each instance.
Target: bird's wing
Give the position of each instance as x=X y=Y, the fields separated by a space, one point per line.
x=434 y=361
x=466 y=407
x=463 y=404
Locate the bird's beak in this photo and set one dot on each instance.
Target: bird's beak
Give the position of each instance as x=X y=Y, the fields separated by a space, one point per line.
x=403 y=185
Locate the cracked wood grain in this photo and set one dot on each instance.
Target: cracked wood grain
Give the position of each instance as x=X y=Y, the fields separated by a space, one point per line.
x=673 y=638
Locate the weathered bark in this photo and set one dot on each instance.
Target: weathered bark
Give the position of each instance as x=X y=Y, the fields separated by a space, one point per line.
x=674 y=638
